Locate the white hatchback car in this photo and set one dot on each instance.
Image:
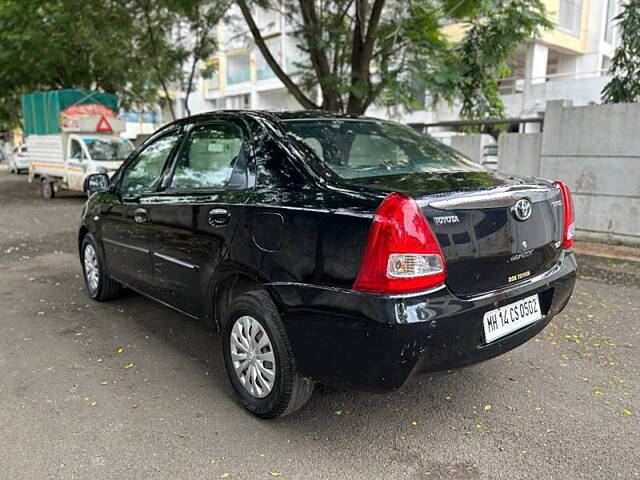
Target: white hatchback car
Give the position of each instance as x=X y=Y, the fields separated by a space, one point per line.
x=19 y=162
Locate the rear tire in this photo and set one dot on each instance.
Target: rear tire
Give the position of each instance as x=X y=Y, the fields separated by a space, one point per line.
x=99 y=285
x=259 y=359
x=48 y=191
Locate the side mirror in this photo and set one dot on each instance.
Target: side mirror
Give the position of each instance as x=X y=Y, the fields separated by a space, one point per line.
x=96 y=183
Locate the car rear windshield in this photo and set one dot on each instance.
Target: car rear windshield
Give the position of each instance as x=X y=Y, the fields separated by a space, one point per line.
x=369 y=148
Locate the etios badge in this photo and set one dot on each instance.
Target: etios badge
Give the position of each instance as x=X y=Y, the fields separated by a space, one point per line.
x=522 y=209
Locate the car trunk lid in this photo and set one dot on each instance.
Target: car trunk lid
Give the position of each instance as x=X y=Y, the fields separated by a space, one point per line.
x=487 y=243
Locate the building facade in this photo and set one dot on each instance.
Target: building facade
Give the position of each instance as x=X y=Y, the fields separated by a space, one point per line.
x=568 y=62
x=238 y=75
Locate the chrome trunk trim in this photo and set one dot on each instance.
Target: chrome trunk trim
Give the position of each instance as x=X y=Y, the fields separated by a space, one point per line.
x=502 y=197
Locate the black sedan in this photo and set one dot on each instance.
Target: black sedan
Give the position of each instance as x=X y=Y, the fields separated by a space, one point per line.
x=325 y=248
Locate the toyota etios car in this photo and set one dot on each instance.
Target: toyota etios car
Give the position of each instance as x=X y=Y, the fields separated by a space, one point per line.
x=338 y=249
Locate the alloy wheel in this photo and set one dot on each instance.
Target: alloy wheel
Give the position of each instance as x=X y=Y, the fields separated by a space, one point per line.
x=253 y=356
x=91 y=267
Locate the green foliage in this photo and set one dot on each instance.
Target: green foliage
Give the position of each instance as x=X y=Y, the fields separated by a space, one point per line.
x=200 y=18
x=460 y=9
x=480 y=59
x=390 y=52
x=66 y=44
x=625 y=65
x=126 y=47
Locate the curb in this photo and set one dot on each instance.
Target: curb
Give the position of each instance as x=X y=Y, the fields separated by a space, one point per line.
x=616 y=252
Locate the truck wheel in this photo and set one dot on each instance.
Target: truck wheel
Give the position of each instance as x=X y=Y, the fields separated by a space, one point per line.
x=48 y=191
x=99 y=285
x=259 y=360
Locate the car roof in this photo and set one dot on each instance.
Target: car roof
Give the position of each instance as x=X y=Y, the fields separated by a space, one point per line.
x=318 y=114
x=279 y=114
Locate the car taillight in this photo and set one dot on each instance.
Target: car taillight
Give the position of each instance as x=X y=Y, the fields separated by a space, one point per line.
x=569 y=216
x=402 y=254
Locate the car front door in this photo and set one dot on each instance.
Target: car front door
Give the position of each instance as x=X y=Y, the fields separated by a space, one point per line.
x=125 y=227
x=193 y=221
x=76 y=164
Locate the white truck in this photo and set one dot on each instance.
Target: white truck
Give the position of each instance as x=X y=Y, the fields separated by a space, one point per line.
x=70 y=135
x=63 y=161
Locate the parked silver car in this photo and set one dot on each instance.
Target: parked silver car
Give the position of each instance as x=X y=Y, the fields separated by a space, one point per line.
x=19 y=162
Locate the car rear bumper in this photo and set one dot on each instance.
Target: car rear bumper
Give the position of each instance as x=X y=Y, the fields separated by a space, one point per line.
x=375 y=342
x=20 y=164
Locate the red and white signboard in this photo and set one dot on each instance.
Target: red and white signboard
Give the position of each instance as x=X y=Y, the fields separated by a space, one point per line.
x=90 y=118
x=103 y=125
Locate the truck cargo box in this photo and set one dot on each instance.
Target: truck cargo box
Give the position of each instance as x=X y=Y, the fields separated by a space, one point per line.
x=42 y=111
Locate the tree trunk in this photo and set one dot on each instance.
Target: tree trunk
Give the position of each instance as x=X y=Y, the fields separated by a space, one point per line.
x=362 y=54
x=293 y=89
x=161 y=80
x=192 y=72
x=318 y=57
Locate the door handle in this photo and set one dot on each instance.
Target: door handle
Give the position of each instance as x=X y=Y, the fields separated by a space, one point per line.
x=219 y=217
x=140 y=215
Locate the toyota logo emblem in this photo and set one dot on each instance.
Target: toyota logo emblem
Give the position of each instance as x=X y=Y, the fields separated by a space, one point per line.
x=522 y=209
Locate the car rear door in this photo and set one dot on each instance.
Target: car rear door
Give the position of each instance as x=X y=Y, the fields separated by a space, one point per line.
x=124 y=217
x=193 y=221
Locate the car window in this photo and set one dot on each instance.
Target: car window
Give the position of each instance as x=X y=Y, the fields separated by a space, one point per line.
x=315 y=145
x=76 y=150
x=108 y=149
x=370 y=148
x=213 y=157
x=374 y=150
x=144 y=172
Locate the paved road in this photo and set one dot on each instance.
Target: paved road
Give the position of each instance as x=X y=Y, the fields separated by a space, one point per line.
x=566 y=405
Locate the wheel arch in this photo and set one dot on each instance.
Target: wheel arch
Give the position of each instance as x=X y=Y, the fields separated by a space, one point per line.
x=230 y=280
x=81 y=234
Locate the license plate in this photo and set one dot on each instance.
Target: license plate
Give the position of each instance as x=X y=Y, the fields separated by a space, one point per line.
x=504 y=320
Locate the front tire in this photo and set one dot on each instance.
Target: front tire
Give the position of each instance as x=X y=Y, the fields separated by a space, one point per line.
x=48 y=191
x=259 y=359
x=99 y=285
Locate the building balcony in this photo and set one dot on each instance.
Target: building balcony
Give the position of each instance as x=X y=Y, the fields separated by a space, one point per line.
x=582 y=88
x=239 y=75
x=212 y=83
x=265 y=73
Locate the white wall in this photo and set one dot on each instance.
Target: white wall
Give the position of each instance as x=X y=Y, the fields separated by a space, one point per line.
x=596 y=151
x=519 y=153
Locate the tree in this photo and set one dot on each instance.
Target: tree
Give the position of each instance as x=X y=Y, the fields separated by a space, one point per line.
x=199 y=18
x=358 y=52
x=55 y=44
x=177 y=35
x=625 y=65
x=126 y=47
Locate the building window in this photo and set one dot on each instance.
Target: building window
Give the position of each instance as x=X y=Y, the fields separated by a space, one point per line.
x=610 y=28
x=239 y=102
x=570 y=16
x=263 y=70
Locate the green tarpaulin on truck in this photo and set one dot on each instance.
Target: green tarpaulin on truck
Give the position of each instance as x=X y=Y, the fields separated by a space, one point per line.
x=42 y=110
